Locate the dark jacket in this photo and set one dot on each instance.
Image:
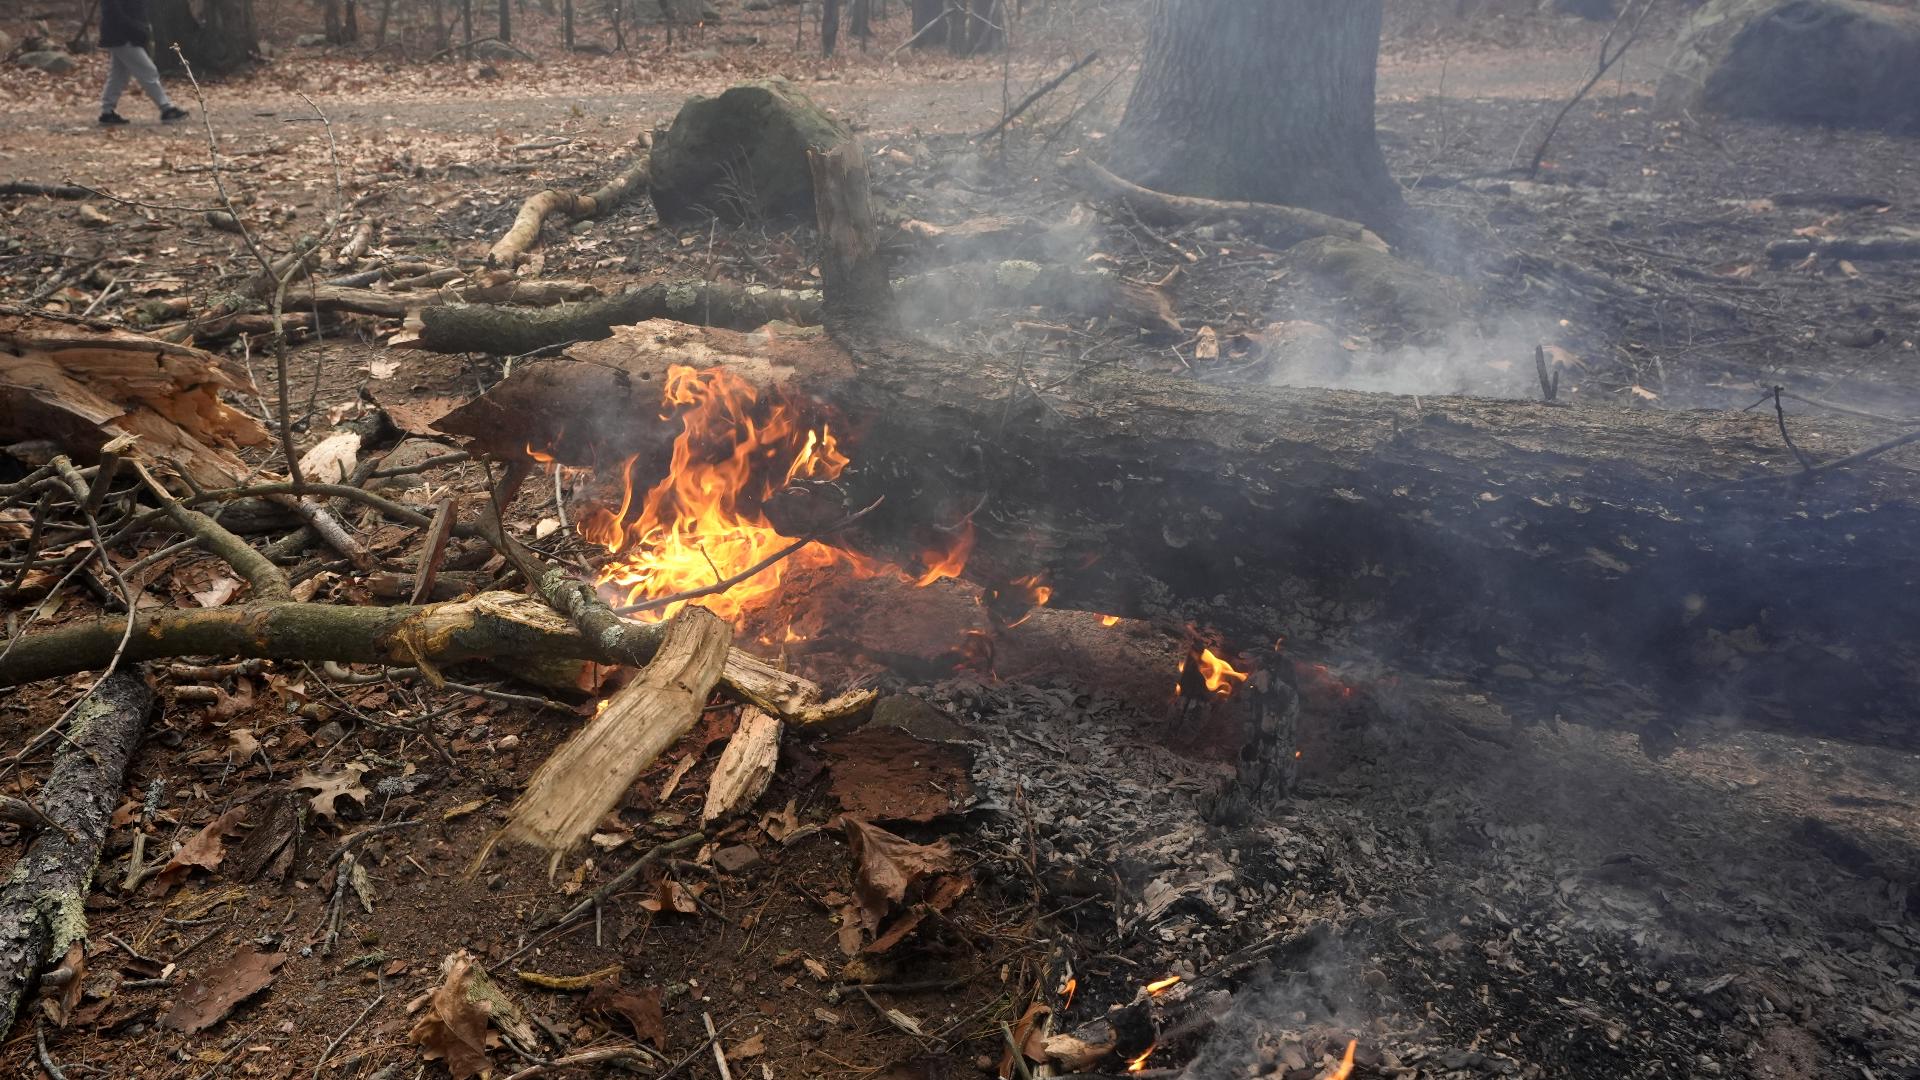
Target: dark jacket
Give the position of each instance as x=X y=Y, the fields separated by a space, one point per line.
x=123 y=22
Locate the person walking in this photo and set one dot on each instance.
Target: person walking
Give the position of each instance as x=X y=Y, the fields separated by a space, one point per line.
x=124 y=34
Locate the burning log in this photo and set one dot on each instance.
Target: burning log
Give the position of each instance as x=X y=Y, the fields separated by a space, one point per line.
x=1553 y=552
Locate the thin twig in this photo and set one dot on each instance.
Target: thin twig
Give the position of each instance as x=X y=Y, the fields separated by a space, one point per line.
x=40 y=1051
x=619 y=881
x=344 y=1032
x=1027 y=102
x=713 y=1039
x=1780 y=412
x=1607 y=60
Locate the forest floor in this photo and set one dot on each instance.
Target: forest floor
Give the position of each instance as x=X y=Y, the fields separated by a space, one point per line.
x=1466 y=892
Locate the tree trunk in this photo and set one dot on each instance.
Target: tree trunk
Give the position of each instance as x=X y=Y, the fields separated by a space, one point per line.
x=352 y=28
x=380 y=28
x=1591 y=562
x=829 y=26
x=566 y=16
x=466 y=26
x=615 y=9
x=506 y=20
x=925 y=13
x=220 y=41
x=860 y=21
x=1263 y=100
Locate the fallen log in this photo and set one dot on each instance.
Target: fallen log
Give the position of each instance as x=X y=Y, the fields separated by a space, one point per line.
x=1280 y=225
x=512 y=247
x=46 y=191
x=1865 y=249
x=514 y=331
x=42 y=908
x=584 y=779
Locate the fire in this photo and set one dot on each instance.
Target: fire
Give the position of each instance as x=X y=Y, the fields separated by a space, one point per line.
x=1161 y=986
x=1072 y=985
x=1139 y=1063
x=1220 y=675
x=1345 y=1068
x=947 y=562
x=1109 y=620
x=704 y=522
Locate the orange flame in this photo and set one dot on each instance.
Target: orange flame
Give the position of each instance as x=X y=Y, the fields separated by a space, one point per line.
x=947 y=562
x=704 y=522
x=1139 y=1063
x=1072 y=985
x=1345 y=1068
x=1109 y=620
x=1161 y=986
x=1220 y=675
x=1034 y=591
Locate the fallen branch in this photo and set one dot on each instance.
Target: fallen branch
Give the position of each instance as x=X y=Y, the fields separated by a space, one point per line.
x=50 y=191
x=1873 y=248
x=42 y=908
x=506 y=331
x=512 y=247
x=1279 y=224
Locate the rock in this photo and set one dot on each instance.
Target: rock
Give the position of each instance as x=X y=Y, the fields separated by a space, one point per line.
x=53 y=63
x=310 y=41
x=743 y=153
x=736 y=859
x=757 y=5
x=1827 y=61
x=6 y=39
x=1382 y=287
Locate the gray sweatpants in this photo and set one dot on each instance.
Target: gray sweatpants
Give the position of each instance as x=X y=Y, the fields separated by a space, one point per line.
x=132 y=62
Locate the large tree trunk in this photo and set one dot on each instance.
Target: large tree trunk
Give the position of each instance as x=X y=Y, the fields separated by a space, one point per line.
x=218 y=37
x=1263 y=100
x=1578 y=560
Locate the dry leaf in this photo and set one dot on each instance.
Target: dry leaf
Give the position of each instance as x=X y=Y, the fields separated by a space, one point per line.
x=217 y=592
x=1643 y=392
x=208 y=999
x=546 y=527
x=453 y=1028
x=1206 y=344
x=59 y=1004
x=241 y=744
x=1848 y=268
x=383 y=369
x=328 y=789
x=671 y=896
x=1812 y=231
x=888 y=866
x=639 y=1008
x=203 y=851
x=750 y=1048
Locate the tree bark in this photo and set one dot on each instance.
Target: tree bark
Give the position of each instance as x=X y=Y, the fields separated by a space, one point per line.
x=1261 y=100
x=42 y=909
x=222 y=39
x=506 y=21
x=1554 y=554
x=506 y=331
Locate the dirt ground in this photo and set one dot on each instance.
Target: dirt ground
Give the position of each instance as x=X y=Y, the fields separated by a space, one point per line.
x=1464 y=891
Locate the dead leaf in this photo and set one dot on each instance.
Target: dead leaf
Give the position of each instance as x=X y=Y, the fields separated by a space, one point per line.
x=752 y=1047
x=1813 y=231
x=93 y=215
x=1848 y=268
x=241 y=744
x=217 y=592
x=1206 y=344
x=209 y=998
x=639 y=1008
x=671 y=896
x=383 y=369
x=59 y=1004
x=546 y=527
x=203 y=851
x=888 y=866
x=453 y=1028
x=1643 y=392
x=329 y=789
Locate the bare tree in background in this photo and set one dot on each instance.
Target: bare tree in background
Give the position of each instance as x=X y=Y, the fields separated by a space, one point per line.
x=506 y=20
x=217 y=36
x=1265 y=100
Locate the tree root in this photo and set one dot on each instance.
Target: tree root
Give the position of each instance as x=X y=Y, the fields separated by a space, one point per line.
x=1278 y=224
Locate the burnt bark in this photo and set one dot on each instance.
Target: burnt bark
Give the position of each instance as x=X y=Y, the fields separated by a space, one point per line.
x=42 y=908
x=1261 y=100
x=218 y=37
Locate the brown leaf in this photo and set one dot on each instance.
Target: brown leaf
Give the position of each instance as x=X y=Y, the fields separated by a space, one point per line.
x=328 y=789
x=59 y=1004
x=889 y=866
x=208 y=999
x=639 y=1008
x=671 y=896
x=453 y=1028
x=1206 y=345
x=750 y=1048
x=204 y=851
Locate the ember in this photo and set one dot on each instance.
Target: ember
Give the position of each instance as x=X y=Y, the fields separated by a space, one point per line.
x=1140 y=1063
x=1161 y=986
x=1345 y=1068
x=1204 y=672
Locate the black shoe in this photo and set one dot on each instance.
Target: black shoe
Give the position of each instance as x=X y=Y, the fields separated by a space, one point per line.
x=112 y=119
x=172 y=113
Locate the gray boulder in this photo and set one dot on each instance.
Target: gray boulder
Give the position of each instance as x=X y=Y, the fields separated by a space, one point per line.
x=6 y=41
x=743 y=154
x=1827 y=61
x=53 y=63
x=495 y=49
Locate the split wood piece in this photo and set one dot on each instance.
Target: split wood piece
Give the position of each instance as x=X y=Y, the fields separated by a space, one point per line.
x=745 y=767
x=1280 y=225
x=1576 y=559
x=434 y=551
x=82 y=385
x=484 y=627
x=506 y=331
x=583 y=780
x=955 y=292
x=512 y=247
x=851 y=267
x=42 y=907
x=1868 y=249
x=356 y=244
